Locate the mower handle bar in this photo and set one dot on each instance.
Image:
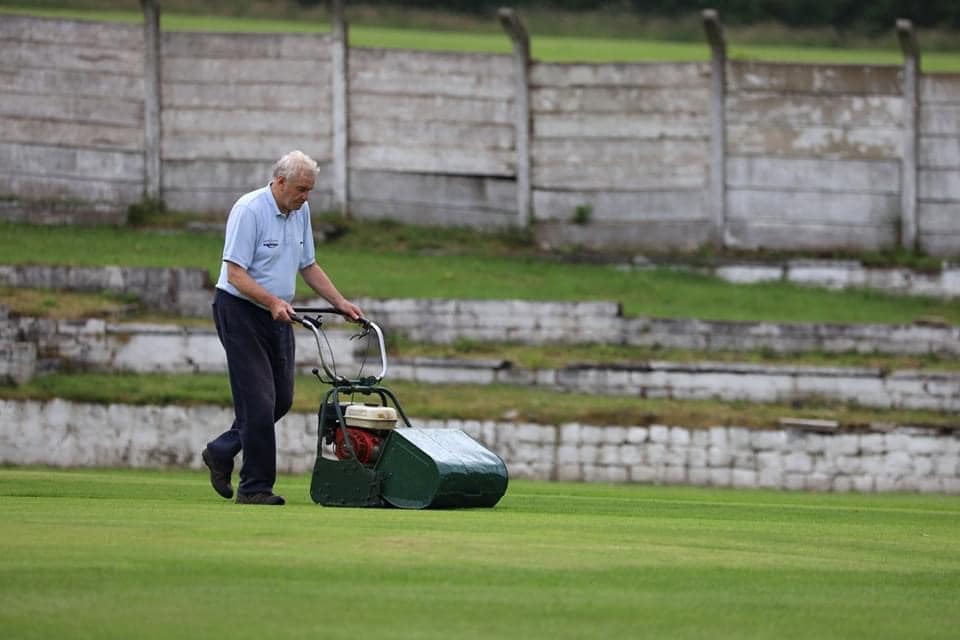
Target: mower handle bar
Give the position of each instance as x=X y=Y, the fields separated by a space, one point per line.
x=314 y=326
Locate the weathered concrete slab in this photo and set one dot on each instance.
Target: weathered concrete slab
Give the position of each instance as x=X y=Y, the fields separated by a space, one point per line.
x=313 y=98
x=809 y=208
x=49 y=160
x=940 y=119
x=814 y=141
x=646 y=208
x=76 y=134
x=243 y=146
x=95 y=110
x=72 y=82
x=453 y=109
x=473 y=201
x=680 y=74
x=37 y=191
x=113 y=35
x=405 y=72
x=241 y=71
x=232 y=46
x=815 y=110
x=813 y=174
x=615 y=126
x=186 y=122
x=72 y=57
x=676 y=234
x=625 y=99
x=772 y=234
x=941 y=87
x=939 y=152
x=939 y=185
x=813 y=78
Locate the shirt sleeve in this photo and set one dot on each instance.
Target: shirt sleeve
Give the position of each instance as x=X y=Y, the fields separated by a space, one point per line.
x=307 y=251
x=241 y=237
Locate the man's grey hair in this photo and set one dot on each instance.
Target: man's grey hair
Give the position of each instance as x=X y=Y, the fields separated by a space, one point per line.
x=293 y=164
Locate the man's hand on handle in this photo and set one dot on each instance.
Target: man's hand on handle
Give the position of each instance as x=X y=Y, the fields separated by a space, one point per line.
x=281 y=310
x=349 y=310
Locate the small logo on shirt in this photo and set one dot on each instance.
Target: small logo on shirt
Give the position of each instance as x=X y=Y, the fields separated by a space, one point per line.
x=271 y=244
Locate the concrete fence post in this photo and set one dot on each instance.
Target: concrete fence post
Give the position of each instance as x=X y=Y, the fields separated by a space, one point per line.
x=908 y=163
x=718 y=127
x=515 y=28
x=340 y=90
x=152 y=167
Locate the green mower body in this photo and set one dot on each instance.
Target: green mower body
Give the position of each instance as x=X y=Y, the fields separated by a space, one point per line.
x=418 y=469
x=369 y=455
x=413 y=468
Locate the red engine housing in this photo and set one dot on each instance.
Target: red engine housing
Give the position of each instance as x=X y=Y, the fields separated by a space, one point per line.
x=365 y=444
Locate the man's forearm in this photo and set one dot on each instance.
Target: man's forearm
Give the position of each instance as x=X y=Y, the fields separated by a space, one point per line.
x=246 y=285
x=321 y=283
x=318 y=280
x=252 y=290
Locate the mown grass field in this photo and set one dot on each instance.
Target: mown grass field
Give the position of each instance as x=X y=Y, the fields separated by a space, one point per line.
x=546 y=47
x=155 y=554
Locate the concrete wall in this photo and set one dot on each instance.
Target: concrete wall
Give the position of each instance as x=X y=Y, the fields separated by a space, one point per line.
x=629 y=142
x=67 y=434
x=815 y=156
x=71 y=117
x=938 y=189
x=234 y=103
x=431 y=137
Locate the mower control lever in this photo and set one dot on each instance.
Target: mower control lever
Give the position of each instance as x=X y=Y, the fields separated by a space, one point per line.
x=363 y=322
x=314 y=324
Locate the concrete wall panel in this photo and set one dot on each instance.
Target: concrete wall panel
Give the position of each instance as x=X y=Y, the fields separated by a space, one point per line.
x=815 y=109
x=73 y=83
x=942 y=87
x=939 y=152
x=482 y=202
x=771 y=234
x=654 y=75
x=641 y=207
x=938 y=179
x=813 y=207
x=813 y=78
x=231 y=46
x=813 y=174
x=71 y=32
x=629 y=141
x=430 y=73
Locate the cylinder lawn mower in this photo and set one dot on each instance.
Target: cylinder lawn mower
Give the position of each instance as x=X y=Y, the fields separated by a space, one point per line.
x=366 y=459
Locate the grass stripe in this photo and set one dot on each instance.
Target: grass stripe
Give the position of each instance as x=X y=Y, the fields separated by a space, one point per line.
x=113 y=554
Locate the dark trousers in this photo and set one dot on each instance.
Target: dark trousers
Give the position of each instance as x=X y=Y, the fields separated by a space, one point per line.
x=260 y=360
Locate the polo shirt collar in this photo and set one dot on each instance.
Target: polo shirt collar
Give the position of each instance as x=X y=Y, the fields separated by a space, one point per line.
x=276 y=207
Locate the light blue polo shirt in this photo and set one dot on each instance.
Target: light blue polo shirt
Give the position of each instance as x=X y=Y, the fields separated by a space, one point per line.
x=272 y=247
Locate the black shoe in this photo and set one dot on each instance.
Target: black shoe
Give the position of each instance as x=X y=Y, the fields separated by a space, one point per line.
x=260 y=498
x=219 y=475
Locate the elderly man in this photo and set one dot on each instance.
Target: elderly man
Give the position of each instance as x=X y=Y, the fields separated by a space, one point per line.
x=268 y=240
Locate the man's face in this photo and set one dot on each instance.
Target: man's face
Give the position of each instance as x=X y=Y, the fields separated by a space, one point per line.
x=292 y=192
